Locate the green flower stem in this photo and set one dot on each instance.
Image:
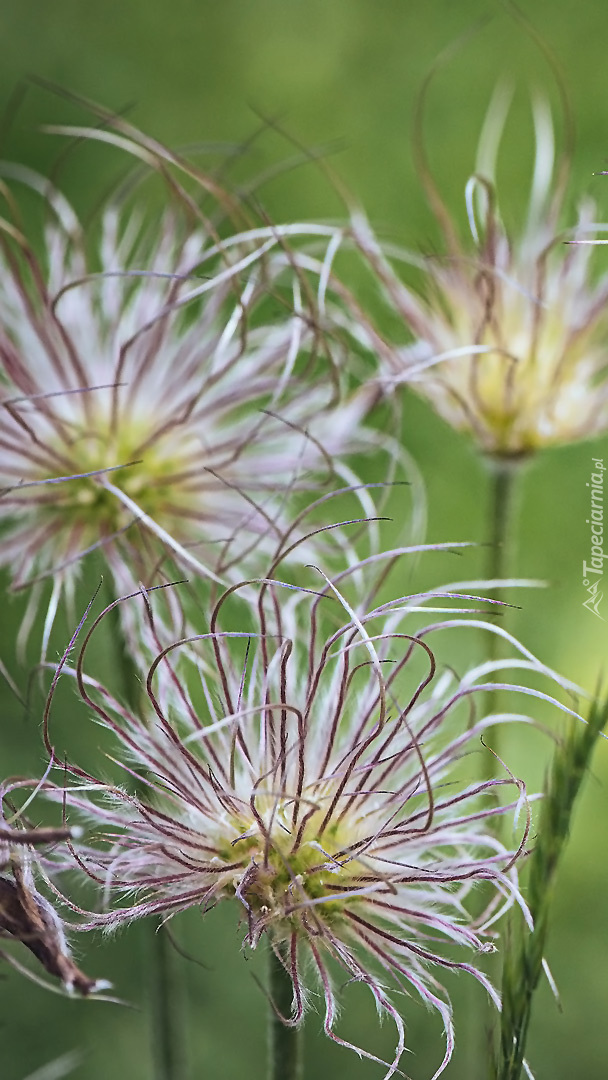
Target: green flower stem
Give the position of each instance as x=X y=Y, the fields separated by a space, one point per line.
x=284 y=1043
x=166 y=1004
x=525 y=950
x=503 y=476
x=165 y=990
x=502 y=483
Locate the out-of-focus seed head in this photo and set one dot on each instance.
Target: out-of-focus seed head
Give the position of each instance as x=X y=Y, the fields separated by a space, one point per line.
x=509 y=331
x=164 y=389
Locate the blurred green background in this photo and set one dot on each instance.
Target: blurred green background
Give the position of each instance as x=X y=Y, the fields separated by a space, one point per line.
x=340 y=75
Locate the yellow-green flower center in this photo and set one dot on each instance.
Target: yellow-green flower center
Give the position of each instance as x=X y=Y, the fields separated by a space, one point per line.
x=289 y=873
x=149 y=471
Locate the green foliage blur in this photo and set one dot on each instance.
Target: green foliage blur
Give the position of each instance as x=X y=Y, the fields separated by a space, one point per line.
x=340 y=78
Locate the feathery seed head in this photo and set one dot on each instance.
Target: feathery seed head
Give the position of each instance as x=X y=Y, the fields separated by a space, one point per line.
x=321 y=778
x=151 y=401
x=510 y=334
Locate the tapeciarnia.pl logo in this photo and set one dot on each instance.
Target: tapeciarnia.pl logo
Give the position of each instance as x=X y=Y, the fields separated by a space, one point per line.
x=593 y=571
